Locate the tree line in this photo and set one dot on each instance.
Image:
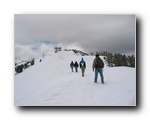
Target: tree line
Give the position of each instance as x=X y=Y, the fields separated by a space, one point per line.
x=117 y=59
x=21 y=67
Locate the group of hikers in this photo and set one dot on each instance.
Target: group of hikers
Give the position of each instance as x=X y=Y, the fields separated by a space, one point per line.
x=75 y=65
x=97 y=67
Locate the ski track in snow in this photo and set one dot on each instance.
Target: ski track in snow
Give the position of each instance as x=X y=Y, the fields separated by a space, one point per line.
x=51 y=83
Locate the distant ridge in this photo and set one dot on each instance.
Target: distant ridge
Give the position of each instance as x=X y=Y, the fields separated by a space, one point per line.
x=77 y=52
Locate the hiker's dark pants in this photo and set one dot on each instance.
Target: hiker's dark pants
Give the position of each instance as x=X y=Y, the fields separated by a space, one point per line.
x=76 y=68
x=71 y=68
x=83 y=70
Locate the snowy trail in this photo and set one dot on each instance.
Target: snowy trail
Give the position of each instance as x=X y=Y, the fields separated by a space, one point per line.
x=51 y=83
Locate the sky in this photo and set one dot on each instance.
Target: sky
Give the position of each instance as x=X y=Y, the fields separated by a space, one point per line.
x=38 y=33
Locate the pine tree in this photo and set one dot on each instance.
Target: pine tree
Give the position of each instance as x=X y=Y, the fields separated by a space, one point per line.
x=124 y=60
x=131 y=61
x=117 y=59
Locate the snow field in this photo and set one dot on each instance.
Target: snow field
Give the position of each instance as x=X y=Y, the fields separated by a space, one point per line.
x=51 y=83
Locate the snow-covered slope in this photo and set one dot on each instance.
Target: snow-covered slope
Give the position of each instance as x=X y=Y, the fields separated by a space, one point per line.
x=51 y=83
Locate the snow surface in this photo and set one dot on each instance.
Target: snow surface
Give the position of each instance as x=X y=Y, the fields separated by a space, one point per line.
x=51 y=83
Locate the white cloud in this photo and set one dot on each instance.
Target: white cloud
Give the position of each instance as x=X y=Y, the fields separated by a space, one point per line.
x=26 y=52
x=23 y=52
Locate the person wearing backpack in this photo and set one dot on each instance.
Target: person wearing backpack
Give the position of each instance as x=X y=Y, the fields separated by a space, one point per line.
x=98 y=66
x=82 y=66
x=76 y=66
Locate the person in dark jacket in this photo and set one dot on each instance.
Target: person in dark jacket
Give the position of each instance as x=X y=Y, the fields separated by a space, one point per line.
x=76 y=66
x=82 y=66
x=71 y=65
x=98 y=66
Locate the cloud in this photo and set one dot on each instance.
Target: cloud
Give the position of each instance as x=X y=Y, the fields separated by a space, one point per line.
x=28 y=52
x=23 y=52
x=93 y=32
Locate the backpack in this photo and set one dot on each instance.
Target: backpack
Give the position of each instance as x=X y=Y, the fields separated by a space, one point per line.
x=99 y=63
x=76 y=64
x=82 y=64
x=71 y=64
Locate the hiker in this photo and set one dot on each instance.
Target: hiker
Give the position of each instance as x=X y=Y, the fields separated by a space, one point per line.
x=98 y=66
x=82 y=66
x=76 y=66
x=71 y=65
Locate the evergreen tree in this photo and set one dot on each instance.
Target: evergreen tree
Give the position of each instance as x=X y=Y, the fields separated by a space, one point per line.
x=117 y=59
x=124 y=60
x=110 y=59
x=131 y=61
x=32 y=62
